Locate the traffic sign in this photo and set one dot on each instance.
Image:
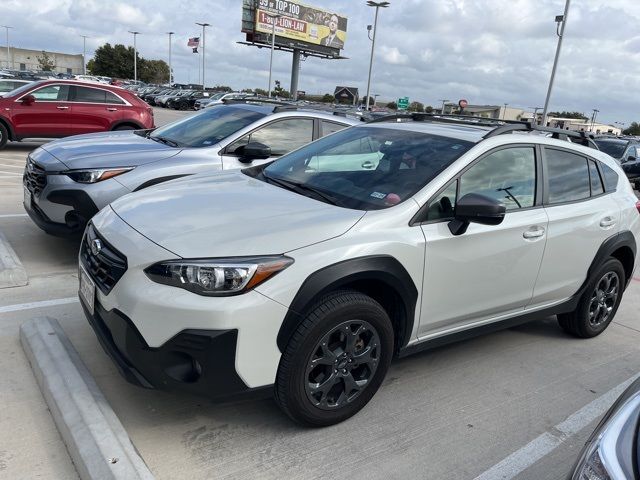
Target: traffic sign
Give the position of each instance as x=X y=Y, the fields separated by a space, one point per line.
x=403 y=103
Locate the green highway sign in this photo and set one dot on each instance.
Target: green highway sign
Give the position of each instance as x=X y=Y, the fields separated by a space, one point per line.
x=403 y=103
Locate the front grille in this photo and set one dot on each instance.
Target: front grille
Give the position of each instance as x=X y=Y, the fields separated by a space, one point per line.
x=34 y=178
x=106 y=265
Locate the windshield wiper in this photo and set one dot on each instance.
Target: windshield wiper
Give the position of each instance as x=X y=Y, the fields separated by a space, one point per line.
x=301 y=188
x=164 y=140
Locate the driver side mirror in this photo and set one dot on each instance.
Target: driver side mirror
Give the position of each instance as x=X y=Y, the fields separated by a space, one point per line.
x=476 y=208
x=631 y=158
x=254 y=151
x=28 y=100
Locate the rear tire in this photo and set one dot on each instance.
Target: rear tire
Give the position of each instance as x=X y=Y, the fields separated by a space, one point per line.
x=124 y=127
x=599 y=302
x=4 y=136
x=336 y=360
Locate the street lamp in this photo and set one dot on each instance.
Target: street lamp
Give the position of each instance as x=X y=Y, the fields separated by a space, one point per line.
x=504 y=112
x=7 y=27
x=593 y=118
x=535 y=114
x=84 y=53
x=561 y=21
x=203 y=25
x=378 y=5
x=135 y=57
x=170 y=33
x=274 y=19
x=443 y=102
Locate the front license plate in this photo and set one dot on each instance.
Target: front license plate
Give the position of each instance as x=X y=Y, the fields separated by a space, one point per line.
x=27 y=198
x=87 y=289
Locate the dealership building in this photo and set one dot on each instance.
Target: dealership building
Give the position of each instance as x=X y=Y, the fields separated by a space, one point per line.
x=23 y=59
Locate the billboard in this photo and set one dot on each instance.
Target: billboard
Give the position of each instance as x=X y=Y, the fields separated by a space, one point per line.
x=307 y=26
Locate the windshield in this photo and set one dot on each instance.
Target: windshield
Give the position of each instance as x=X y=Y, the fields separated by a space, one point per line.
x=613 y=148
x=368 y=168
x=19 y=90
x=207 y=128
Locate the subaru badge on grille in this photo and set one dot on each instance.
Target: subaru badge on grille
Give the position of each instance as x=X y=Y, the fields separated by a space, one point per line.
x=96 y=246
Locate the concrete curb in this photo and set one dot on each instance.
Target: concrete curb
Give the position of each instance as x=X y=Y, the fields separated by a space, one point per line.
x=12 y=273
x=96 y=440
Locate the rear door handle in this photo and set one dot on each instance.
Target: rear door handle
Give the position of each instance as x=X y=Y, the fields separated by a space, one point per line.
x=367 y=165
x=533 y=233
x=112 y=109
x=607 y=222
x=62 y=107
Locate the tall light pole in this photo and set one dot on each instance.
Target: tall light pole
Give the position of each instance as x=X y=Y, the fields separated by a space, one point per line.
x=203 y=25
x=135 y=57
x=444 y=100
x=561 y=21
x=378 y=5
x=84 y=53
x=504 y=112
x=170 y=33
x=7 y=27
x=274 y=19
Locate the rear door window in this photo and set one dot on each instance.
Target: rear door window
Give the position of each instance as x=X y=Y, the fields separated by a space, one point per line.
x=568 y=176
x=89 y=95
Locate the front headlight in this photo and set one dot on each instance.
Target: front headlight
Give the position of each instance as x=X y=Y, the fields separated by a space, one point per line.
x=97 y=175
x=217 y=277
x=611 y=456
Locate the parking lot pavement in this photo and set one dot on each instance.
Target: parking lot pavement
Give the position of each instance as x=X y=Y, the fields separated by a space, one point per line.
x=454 y=412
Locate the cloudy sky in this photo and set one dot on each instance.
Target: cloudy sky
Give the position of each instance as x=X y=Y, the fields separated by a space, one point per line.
x=487 y=51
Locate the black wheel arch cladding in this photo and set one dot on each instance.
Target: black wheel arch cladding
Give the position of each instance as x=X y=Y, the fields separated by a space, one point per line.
x=381 y=270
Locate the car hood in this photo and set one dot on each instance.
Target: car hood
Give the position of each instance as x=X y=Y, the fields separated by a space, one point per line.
x=230 y=214
x=108 y=149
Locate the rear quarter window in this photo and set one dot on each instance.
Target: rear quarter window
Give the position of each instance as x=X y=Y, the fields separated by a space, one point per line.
x=610 y=178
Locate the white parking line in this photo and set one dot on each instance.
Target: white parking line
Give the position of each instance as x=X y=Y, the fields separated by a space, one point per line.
x=31 y=305
x=545 y=443
x=12 y=215
x=12 y=166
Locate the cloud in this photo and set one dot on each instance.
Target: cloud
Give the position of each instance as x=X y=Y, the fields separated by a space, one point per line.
x=488 y=51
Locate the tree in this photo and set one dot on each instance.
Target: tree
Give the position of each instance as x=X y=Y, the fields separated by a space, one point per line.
x=428 y=109
x=328 y=98
x=226 y=88
x=278 y=91
x=153 y=71
x=247 y=90
x=634 y=129
x=117 y=61
x=261 y=92
x=45 y=62
x=90 y=65
x=564 y=114
x=416 y=107
x=392 y=105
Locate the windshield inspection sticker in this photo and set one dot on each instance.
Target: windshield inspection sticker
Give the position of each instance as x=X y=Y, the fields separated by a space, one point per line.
x=378 y=195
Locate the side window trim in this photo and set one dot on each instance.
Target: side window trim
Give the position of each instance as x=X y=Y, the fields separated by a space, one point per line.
x=418 y=218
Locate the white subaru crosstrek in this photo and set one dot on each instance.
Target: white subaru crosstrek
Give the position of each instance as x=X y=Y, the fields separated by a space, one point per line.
x=306 y=276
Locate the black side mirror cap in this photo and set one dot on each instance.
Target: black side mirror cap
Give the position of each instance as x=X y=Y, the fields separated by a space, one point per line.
x=476 y=208
x=254 y=151
x=631 y=158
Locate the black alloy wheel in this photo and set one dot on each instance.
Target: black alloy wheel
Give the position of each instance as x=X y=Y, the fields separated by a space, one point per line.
x=336 y=359
x=342 y=364
x=599 y=302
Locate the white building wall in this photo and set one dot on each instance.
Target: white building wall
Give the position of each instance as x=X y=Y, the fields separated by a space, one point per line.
x=24 y=59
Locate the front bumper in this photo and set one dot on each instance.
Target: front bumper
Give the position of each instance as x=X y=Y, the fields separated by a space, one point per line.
x=76 y=218
x=201 y=362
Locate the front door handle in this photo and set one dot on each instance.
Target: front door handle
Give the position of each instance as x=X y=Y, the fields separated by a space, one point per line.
x=62 y=107
x=607 y=222
x=533 y=233
x=367 y=165
x=112 y=109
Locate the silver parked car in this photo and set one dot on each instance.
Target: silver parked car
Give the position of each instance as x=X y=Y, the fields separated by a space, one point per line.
x=67 y=181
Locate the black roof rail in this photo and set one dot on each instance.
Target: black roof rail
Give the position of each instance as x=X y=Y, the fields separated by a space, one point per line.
x=501 y=127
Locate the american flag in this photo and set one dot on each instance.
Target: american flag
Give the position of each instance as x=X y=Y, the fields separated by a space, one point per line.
x=193 y=42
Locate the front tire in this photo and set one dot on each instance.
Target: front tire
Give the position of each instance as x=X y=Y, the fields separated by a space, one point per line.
x=599 y=302
x=4 y=136
x=336 y=360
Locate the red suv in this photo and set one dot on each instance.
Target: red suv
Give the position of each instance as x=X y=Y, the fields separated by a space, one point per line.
x=59 y=108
